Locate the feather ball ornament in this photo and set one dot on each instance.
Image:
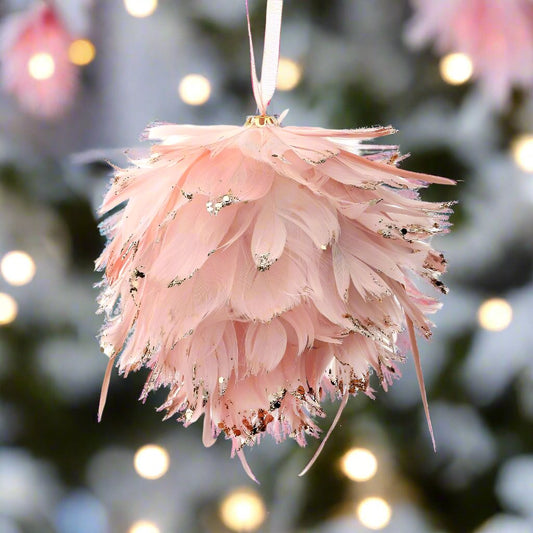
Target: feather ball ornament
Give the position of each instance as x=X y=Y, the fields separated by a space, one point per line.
x=497 y=36
x=36 y=69
x=257 y=270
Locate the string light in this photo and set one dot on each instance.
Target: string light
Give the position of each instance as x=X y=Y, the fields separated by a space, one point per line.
x=140 y=8
x=289 y=74
x=242 y=510
x=143 y=526
x=194 y=89
x=41 y=66
x=81 y=52
x=18 y=268
x=456 y=68
x=359 y=464
x=8 y=309
x=374 y=512
x=495 y=314
x=151 y=461
x=522 y=150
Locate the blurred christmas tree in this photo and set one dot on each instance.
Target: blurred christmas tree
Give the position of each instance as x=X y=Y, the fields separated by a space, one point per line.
x=346 y=64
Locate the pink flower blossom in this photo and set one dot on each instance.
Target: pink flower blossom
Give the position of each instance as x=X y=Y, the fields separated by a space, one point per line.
x=497 y=35
x=258 y=270
x=35 y=63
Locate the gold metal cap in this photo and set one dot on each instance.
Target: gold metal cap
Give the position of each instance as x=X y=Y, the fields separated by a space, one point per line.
x=261 y=121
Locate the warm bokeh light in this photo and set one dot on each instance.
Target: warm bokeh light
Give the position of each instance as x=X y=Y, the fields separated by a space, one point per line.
x=242 y=510
x=8 y=309
x=41 y=66
x=18 y=268
x=522 y=150
x=194 y=89
x=289 y=74
x=359 y=464
x=81 y=52
x=143 y=526
x=374 y=513
x=140 y=8
x=495 y=314
x=456 y=69
x=151 y=461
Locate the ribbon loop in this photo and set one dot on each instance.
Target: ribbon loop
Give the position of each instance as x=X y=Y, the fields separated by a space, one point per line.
x=264 y=90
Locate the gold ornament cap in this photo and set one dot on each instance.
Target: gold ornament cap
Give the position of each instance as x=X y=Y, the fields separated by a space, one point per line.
x=261 y=121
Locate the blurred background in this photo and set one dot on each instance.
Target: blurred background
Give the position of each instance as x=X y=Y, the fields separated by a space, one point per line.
x=345 y=64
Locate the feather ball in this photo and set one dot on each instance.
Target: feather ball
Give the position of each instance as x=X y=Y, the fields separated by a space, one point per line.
x=258 y=270
x=36 y=69
x=497 y=36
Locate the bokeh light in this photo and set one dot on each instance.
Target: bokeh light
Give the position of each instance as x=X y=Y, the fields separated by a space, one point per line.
x=151 y=461
x=143 y=526
x=194 y=89
x=242 y=510
x=140 y=8
x=359 y=464
x=17 y=267
x=81 y=52
x=456 y=68
x=374 y=512
x=8 y=309
x=289 y=74
x=522 y=151
x=495 y=314
x=79 y=511
x=41 y=66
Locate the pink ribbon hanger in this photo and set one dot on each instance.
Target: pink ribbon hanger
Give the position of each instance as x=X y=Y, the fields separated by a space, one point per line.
x=264 y=89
